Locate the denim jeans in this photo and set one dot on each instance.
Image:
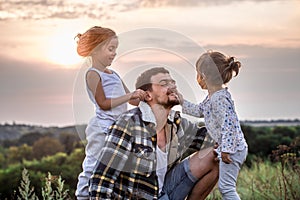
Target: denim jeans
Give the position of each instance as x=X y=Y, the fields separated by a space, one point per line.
x=178 y=183
x=228 y=175
x=95 y=142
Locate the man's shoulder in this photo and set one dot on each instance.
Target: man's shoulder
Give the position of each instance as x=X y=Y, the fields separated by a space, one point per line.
x=127 y=119
x=131 y=114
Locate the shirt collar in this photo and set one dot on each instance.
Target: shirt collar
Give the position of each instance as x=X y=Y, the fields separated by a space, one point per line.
x=148 y=116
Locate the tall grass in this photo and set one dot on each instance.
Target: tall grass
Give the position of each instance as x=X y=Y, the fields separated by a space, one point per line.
x=266 y=181
x=263 y=181
x=53 y=188
x=25 y=189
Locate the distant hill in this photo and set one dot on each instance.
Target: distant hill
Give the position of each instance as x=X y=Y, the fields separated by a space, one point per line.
x=271 y=123
x=15 y=131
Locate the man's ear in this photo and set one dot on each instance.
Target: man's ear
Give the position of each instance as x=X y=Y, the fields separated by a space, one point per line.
x=148 y=96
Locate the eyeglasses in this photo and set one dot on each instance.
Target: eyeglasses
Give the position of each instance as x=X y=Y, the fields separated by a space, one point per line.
x=166 y=82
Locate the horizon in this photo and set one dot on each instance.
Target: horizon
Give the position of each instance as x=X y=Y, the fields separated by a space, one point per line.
x=243 y=122
x=42 y=76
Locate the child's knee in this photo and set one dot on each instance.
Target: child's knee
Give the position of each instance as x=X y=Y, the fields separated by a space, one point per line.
x=225 y=189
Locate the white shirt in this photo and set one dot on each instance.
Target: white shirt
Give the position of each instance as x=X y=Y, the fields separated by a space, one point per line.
x=161 y=167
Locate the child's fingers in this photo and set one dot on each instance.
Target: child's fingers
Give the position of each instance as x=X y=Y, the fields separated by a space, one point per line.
x=226 y=158
x=141 y=94
x=138 y=94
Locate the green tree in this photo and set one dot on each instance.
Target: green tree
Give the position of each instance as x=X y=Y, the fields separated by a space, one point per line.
x=285 y=131
x=69 y=141
x=9 y=180
x=18 y=154
x=2 y=161
x=266 y=143
x=29 y=138
x=46 y=146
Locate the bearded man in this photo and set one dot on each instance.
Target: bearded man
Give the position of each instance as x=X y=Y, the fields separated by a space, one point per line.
x=142 y=157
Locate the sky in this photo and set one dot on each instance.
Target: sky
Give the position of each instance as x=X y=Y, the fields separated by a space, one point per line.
x=42 y=77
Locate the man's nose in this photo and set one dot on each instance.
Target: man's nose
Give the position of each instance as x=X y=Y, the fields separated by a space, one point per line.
x=172 y=86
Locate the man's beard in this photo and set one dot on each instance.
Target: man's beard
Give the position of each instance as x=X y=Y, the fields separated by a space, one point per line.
x=173 y=99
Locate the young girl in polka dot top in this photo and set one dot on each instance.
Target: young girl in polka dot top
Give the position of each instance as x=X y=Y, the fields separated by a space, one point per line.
x=214 y=71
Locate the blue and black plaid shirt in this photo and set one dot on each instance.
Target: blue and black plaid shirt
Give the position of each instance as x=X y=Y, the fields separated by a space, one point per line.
x=127 y=165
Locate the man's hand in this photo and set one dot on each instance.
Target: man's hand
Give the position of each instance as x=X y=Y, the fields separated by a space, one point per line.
x=226 y=158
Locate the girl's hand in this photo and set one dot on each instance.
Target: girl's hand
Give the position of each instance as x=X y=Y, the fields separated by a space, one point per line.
x=216 y=145
x=138 y=94
x=226 y=157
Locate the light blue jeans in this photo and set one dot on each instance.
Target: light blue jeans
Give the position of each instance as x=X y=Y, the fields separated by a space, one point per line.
x=95 y=142
x=228 y=175
x=179 y=182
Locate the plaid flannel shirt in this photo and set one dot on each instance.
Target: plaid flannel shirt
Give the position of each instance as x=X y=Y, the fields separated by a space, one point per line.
x=127 y=165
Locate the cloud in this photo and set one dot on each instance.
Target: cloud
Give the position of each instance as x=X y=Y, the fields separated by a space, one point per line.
x=95 y=9
x=188 y=3
x=43 y=9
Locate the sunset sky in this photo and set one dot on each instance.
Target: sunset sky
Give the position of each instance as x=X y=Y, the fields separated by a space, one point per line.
x=41 y=76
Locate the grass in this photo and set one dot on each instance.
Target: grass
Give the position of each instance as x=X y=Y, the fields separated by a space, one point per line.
x=267 y=181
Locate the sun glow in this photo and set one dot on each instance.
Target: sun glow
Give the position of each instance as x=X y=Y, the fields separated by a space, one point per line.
x=62 y=50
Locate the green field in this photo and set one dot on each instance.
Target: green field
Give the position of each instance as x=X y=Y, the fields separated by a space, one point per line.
x=51 y=164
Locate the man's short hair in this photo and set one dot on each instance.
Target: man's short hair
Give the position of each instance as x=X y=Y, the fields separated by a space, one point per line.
x=143 y=82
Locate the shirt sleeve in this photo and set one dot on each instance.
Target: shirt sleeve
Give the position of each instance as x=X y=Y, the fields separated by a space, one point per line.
x=111 y=161
x=223 y=109
x=192 y=109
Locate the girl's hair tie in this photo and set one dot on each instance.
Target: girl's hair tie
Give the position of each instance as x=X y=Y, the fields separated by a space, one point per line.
x=231 y=62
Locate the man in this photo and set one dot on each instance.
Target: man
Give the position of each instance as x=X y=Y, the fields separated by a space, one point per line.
x=141 y=157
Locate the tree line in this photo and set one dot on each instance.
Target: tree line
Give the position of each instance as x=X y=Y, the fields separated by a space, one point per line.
x=62 y=155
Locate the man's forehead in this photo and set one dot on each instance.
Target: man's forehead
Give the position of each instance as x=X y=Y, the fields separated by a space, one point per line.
x=161 y=76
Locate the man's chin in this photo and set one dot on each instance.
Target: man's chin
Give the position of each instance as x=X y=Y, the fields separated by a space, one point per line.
x=174 y=103
x=171 y=104
x=174 y=100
